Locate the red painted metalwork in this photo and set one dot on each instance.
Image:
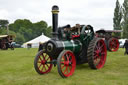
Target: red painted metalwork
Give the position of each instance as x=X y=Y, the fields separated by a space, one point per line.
x=113 y=44
x=100 y=54
x=75 y=36
x=68 y=64
x=43 y=63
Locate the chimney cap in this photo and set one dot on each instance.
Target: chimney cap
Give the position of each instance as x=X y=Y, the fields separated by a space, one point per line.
x=55 y=7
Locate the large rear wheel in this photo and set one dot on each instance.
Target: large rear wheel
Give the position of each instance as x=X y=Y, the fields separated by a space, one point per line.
x=66 y=63
x=97 y=53
x=113 y=44
x=42 y=62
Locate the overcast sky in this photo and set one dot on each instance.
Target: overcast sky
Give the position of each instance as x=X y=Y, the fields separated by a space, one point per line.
x=98 y=13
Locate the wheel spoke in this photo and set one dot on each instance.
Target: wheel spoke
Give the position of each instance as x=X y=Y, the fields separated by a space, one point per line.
x=97 y=61
x=103 y=53
x=96 y=47
x=67 y=57
x=62 y=67
x=70 y=58
x=65 y=70
x=95 y=57
x=62 y=62
x=101 y=61
x=70 y=67
x=99 y=49
x=68 y=71
x=40 y=58
x=98 y=44
x=43 y=56
x=39 y=61
x=40 y=66
x=47 y=58
x=95 y=51
x=47 y=65
x=102 y=45
x=115 y=44
x=44 y=67
x=64 y=58
x=114 y=47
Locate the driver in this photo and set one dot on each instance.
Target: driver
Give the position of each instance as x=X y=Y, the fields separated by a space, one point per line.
x=76 y=28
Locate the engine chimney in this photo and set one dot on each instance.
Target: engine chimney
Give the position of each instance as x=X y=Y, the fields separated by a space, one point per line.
x=55 y=11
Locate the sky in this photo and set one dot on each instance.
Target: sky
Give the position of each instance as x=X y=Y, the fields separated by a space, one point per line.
x=98 y=13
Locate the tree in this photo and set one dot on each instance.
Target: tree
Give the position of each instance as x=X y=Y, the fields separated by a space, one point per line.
x=39 y=28
x=3 y=23
x=49 y=31
x=125 y=19
x=27 y=30
x=3 y=31
x=23 y=27
x=19 y=23
x=117 y=18
x=19 y=38
x=4 y=26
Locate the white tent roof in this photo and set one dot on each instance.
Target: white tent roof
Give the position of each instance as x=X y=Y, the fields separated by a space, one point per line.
x=41 y=39
x=35 y=42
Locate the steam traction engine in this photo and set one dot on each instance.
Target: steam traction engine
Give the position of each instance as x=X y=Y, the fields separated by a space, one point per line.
x=70 y=46
x=6 y=42
x=112 y=42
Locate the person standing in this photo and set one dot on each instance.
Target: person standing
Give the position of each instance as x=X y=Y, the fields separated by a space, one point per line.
x=126 y=47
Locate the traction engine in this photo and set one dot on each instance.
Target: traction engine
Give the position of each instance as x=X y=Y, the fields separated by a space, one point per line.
x=70 y=46
x=112 y=42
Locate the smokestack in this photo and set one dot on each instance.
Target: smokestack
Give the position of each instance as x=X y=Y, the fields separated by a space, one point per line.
x=55 y=11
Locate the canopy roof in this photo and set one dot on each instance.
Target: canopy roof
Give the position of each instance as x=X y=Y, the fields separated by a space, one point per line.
x=40 y=39
x=3 y=36
x=107 y=31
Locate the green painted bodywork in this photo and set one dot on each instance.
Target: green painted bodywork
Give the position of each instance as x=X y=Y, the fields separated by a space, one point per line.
x=72 y=45
x=85 y=38
x=75 y=45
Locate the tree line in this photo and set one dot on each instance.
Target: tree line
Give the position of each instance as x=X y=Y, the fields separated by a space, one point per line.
x=24 y=29
x=120 y=20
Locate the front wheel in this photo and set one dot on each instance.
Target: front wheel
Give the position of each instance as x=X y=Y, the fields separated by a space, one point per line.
x=42 y=62
x=66 y=63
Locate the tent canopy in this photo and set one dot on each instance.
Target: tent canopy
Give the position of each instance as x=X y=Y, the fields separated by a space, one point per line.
x=35 y=42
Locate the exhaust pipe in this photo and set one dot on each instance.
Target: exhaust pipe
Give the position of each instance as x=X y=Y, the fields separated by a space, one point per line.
x=55 y=11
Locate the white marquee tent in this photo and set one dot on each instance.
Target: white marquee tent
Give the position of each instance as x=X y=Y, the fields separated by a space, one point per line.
x=35 y=42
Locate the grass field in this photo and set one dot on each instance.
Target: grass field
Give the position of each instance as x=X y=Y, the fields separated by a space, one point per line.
x=16 y=68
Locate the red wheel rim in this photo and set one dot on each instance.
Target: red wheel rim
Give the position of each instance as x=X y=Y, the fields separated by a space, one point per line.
x=68 y=64
x=43 y=63
x=100 y=53
x=114 y=44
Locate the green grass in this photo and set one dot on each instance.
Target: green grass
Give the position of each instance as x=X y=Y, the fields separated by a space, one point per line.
x=16 y=68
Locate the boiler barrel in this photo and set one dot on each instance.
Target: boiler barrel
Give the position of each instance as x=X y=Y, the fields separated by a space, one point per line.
x=57 y=46
x=72 y=45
